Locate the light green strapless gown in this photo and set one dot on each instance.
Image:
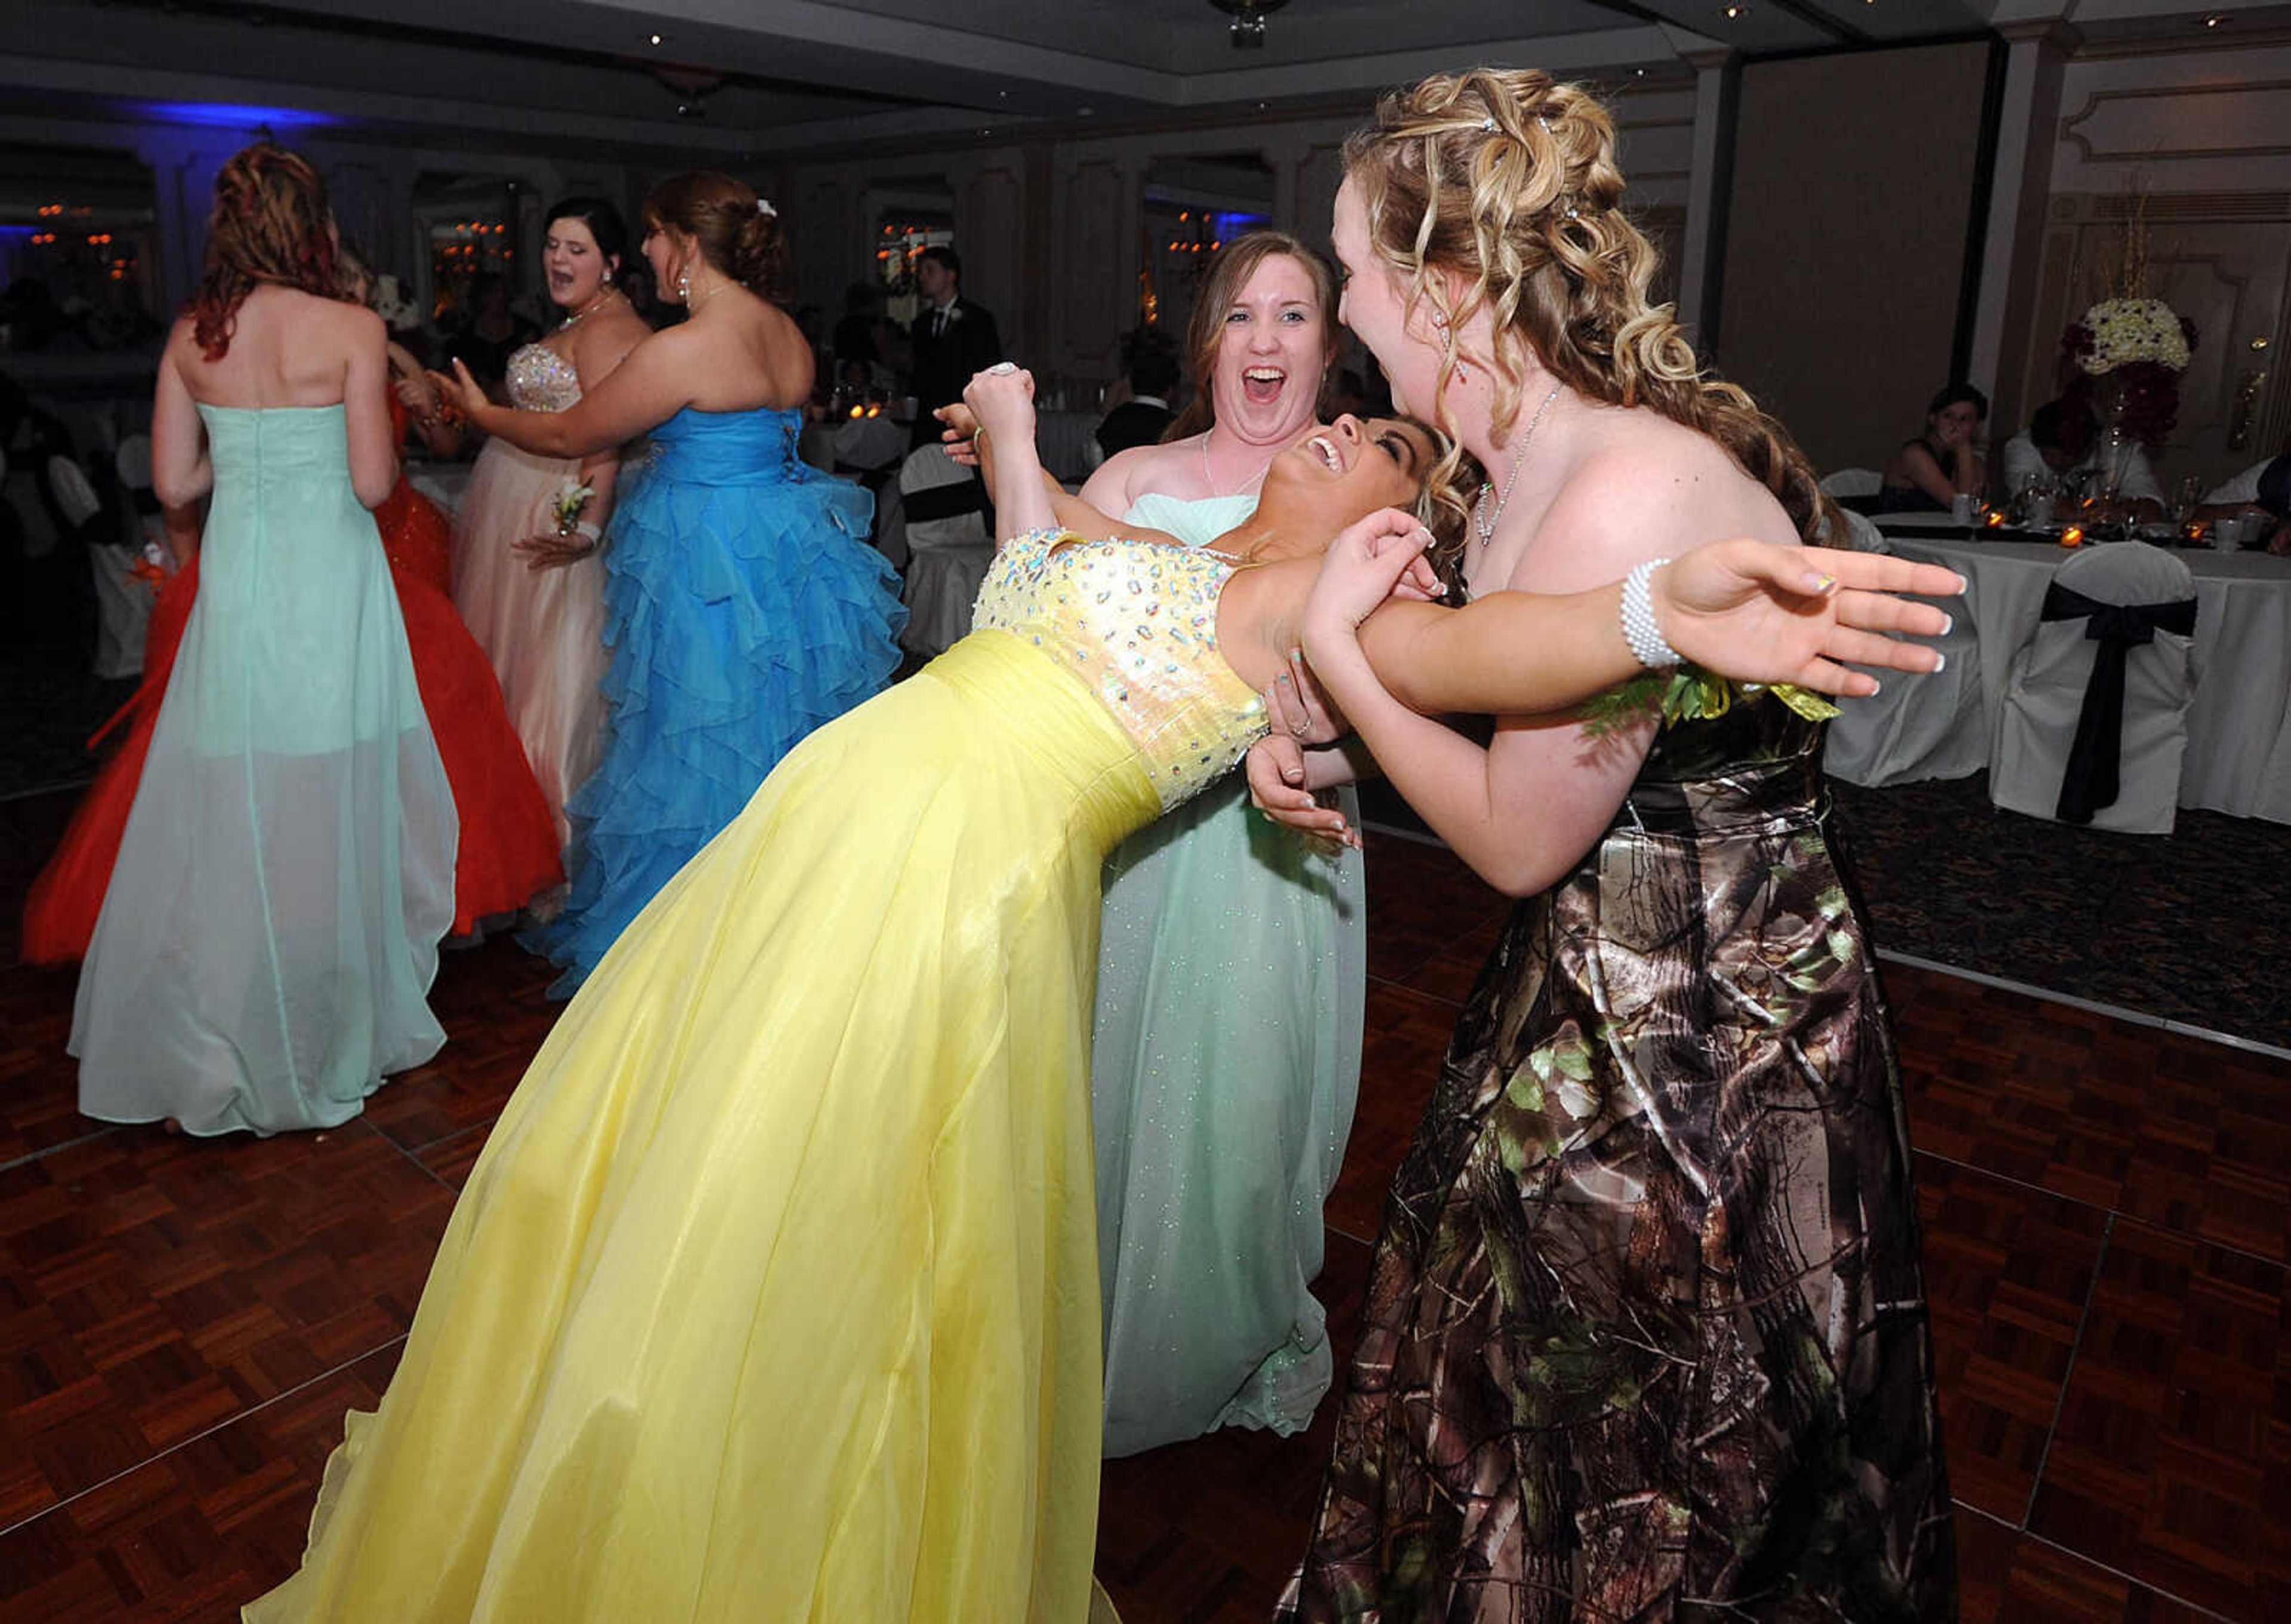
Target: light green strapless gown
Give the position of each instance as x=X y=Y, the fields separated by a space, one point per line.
x=1232 y=978
x=264 y=953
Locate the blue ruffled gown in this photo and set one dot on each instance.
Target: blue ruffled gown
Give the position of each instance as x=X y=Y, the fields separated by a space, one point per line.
x=743 y=607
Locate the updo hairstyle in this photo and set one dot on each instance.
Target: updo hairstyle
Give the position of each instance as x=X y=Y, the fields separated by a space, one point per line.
x=271 y=224
x=1505 y=181
x=736 y=236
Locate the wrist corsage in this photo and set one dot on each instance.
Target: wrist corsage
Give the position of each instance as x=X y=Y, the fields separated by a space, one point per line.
x=571 y=499
x=1688 y=693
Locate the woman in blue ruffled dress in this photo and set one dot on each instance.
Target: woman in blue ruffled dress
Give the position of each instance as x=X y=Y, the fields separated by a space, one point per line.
x=744 y=606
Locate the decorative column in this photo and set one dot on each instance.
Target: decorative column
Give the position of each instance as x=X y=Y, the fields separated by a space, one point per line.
x=184 y=164
x=2027 y=130
x=1702 y=256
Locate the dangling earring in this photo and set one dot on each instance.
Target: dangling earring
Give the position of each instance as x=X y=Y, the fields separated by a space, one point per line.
x=607 y=277
x=684 y=286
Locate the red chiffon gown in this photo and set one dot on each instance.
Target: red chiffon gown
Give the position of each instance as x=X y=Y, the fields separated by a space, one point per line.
x=508 y=851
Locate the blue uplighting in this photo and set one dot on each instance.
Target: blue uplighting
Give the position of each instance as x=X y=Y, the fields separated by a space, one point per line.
x=232 y=115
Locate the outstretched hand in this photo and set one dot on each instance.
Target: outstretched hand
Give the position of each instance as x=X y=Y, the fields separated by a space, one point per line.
x=1759 y=612
x=461 y=390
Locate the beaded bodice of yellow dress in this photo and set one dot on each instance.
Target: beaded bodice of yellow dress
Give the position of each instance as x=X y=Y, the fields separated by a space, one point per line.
x=773 y=1294
x=1137 y=622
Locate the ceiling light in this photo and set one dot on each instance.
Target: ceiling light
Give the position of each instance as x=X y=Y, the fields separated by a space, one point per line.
x=655 y=39
x=2216 y=20
x=1736 y=9
x=1248 y=30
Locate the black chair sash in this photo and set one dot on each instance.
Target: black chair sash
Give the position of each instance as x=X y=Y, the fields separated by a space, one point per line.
x=948 y=501
x=2090 y=780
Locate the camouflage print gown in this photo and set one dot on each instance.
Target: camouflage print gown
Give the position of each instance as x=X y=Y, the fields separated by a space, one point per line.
x=1645 y=1336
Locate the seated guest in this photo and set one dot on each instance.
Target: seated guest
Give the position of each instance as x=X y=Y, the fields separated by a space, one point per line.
x=2061 y=440
x=1944 y=462
x=1140 y=420
x=2263 y=488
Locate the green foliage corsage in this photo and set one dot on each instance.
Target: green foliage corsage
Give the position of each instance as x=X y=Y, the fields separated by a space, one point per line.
x=1688 y=693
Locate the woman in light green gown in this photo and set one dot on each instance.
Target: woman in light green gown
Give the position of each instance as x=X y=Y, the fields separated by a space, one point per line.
x=1232 y=968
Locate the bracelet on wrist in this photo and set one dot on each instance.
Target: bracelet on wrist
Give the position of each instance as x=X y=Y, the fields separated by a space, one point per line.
x=1641 y=629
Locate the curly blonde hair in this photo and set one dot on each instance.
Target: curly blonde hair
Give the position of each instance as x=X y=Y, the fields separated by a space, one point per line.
x=1504 y=182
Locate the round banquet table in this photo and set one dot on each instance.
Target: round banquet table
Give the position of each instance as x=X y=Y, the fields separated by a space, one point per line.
x=2238 y=758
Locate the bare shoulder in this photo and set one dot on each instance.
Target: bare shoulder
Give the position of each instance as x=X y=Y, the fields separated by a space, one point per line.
x=183 y=341
x=604 y=342
x=1652 y=488
x=1143 y=470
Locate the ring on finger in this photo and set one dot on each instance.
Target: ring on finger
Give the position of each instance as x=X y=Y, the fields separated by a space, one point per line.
x=1001 y=368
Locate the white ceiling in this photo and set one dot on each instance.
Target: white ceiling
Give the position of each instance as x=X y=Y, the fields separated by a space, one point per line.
x=754 y=76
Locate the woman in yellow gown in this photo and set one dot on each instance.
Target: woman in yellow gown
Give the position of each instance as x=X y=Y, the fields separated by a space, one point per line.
x=773 y=1294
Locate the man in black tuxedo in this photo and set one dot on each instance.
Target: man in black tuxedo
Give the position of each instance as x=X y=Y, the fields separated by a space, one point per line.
x=1140 y=420
x=952 y=339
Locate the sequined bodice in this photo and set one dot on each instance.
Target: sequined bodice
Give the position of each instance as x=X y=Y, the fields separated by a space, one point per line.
x=1135 y=622
x=541 y=380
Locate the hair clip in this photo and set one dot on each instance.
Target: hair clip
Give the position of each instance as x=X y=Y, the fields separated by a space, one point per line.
x=1489 y=124
x=1546 y=123
x=1569 y=211
x=764 y=207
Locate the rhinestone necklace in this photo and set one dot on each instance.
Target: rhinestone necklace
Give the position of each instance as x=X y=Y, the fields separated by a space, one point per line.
x=1483 y=518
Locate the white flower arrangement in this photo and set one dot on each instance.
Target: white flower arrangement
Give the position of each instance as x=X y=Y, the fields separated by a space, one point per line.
x=2118 y=331
x=571 y=497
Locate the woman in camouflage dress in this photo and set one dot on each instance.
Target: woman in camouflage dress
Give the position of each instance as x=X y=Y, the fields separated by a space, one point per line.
x=1645 y=1336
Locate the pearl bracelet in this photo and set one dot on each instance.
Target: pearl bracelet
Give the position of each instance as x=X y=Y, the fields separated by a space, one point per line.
x=1640 y=630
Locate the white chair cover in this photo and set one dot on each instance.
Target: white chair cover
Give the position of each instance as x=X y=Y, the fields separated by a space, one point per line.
x=1852 y=482
x=1915 y=728
x=122 y=605
x=1861 y=535
x=947 y=557
x=133 y=461
x=76 y=498
x=2044 y=693
x=890 y=533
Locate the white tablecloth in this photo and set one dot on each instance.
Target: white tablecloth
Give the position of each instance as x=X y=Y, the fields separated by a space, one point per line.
x=2238 y=756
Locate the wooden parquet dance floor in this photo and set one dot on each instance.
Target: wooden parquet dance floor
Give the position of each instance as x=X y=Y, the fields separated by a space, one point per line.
x=2108 y=1226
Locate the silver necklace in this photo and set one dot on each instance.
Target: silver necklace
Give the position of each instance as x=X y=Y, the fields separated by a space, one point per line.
x=1484 y=520
x=1208 y=476
x=598 y=303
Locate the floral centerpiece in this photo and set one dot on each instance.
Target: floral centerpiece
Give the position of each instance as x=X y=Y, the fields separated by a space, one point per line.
x=2128 y=350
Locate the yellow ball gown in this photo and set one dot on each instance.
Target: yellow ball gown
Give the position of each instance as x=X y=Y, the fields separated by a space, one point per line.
x=774 y=1296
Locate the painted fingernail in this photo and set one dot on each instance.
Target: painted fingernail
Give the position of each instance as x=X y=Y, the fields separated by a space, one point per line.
x=1941 y=662
x=1876 y=687
x=1948 y=625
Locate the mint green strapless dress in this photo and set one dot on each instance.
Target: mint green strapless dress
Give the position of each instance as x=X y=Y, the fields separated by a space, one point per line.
x=263 y=956
x=1226 y=1062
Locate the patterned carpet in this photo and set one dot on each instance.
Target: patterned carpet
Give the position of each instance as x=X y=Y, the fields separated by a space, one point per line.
x=2192 y=927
